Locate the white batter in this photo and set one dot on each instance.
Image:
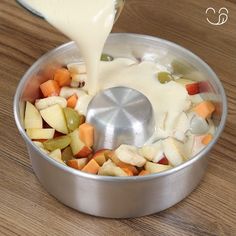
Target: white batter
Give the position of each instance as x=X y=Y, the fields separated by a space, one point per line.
x=87 y=22
x=168 y=100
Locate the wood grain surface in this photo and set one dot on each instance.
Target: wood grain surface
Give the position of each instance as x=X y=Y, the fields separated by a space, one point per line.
x=27 y=209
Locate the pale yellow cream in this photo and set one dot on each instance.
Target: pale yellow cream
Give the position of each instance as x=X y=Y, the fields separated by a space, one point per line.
x=87 y=22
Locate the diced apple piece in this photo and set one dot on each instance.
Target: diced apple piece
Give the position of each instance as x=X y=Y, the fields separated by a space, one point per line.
x=156 y=168
x=173 y=150
x=67 y=92
x=82 y=104
x=60 y=142
x=54 y=116
x=77 y=68
x=188 y=146
x=153 y=152
x=196 y=98
x=163 y=161
x=78 y=164
x=144 y=172
x=197 y=144
x=33 y=119
x=112 y=156
x=56 y=155
x=110 y=169
x=86 y=133
x=91 y=167
x=40 y=145
x=40 y=133
x=181 y=127
x=99 y=156
x=50 y=101
x=78 y=147
x=184 y=81
x=129 y=154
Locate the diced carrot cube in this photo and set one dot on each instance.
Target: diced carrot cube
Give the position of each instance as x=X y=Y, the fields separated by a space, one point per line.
x=92 y=167
x=86 y=132
x=144 y=172
x=204 y=109
x=50 y=88
x=207 y=139
x=62 y=76
x=72 y=100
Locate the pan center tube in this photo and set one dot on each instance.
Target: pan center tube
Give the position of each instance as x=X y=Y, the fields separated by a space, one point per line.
x=120 y=115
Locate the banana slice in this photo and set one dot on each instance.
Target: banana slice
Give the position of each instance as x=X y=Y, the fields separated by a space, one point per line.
x=47 y=102
x=173 y=150
x=129 y=154
x=109 y=168
x=56 y=155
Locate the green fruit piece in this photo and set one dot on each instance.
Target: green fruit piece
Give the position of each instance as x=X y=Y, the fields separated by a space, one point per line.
x=106 y=57
x=57 y=143
x=67 y=154
x=164 y=77
x=72 y=118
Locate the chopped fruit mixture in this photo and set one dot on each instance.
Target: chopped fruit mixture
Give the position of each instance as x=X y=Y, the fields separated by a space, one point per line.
x=57 y=125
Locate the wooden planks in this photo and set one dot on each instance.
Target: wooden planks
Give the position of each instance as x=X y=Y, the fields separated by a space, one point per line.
x=27 y=209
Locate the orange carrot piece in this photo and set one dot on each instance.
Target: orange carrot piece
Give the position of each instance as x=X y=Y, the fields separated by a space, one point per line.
x=50 y=88
x=144 y=172
x=207 y=139
x=92 y=167
x=72 y=100
x=127 y=171
x=62 y=76
x=204 y=109
x=86 y=132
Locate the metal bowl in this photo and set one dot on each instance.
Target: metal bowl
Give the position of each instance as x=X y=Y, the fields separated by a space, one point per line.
x=122 y=197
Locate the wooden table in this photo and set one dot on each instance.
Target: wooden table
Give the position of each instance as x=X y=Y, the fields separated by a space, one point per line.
x=27 y=209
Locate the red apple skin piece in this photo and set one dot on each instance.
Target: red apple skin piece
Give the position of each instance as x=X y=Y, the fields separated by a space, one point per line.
x=164 y=161
x=192 y=88
x=99 y=156
x=84 y=152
